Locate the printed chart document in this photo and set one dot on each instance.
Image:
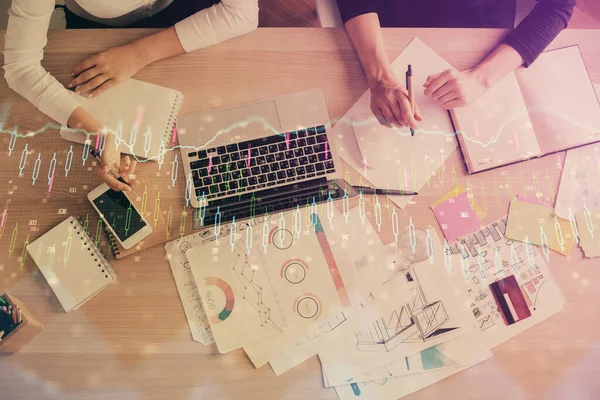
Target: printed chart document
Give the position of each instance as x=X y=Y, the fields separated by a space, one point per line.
x=508 y=283
x=186 y=286
x=294 y=269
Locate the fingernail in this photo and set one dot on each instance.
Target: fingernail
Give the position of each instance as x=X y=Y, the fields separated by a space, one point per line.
x=72 y=73
x=78 y=91
x=70 y=85
x=89 y=96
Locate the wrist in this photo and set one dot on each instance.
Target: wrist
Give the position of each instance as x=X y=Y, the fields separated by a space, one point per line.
x=482 y=76
x=379 y=75
x=142 y=52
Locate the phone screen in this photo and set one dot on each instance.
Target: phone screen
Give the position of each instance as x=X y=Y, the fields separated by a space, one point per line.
x=119 y=213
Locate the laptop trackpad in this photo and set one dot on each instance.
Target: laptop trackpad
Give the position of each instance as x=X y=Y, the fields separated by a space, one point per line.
x=261 y=118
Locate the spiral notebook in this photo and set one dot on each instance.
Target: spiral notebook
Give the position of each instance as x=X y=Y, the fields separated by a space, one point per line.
x=141 y=114
x=73 y=266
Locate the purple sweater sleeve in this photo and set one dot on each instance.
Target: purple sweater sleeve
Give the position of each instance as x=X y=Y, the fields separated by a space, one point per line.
x=353 y=8
x=540 y=27
x=530 y=38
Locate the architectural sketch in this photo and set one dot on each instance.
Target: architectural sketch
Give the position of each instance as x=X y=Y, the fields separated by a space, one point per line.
x=417 y=321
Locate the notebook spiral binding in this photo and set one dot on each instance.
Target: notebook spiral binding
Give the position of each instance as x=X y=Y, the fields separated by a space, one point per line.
x=112 y=242
x=94 y=250
x=171 y=123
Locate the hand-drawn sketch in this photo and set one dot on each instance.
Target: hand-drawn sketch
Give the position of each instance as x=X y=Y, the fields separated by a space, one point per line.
x=418 y=320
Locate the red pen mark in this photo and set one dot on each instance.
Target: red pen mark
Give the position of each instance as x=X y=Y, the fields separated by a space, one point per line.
x=51 y=182
x=4 y=215
x=326 y=150
x=516 y=136
x=98 y=141
x=174 y=137
x=209 y=164
x=249 y=156
x=287 y=140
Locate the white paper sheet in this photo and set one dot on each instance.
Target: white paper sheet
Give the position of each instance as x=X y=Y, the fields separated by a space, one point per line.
x=394 y=388
x=422 y=308
x=463 y=350
x=526 y=293
x=411 y=161
x=186 y=286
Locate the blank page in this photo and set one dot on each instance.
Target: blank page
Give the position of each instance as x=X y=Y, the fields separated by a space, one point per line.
x=562 y=103
x=496 y=130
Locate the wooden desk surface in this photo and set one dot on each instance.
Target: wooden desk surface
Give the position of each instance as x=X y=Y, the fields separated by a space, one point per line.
x=132 y=340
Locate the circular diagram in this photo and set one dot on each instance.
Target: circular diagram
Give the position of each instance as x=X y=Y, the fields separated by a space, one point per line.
x=282 y=238
x=186 y=265
x=229 y=299
x=294 y=272
x=308 y=306
x=185 y=246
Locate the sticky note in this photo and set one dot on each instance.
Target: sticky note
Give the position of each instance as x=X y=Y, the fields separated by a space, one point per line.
x=456 y=217
x=540 y=226
x=588 y=228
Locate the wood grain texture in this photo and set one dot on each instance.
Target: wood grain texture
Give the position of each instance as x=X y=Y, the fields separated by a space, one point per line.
x=288 y=13
x=132 y=340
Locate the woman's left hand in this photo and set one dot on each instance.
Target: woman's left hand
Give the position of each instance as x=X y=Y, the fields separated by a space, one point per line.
x=452 y=88
x=99 y=73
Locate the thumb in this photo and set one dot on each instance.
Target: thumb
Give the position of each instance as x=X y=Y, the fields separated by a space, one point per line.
x=417 y=112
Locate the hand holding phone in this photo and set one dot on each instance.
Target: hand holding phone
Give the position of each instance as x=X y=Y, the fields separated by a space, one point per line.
x=120 y=215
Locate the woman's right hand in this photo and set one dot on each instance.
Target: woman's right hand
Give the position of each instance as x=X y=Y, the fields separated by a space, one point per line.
x=391 y=105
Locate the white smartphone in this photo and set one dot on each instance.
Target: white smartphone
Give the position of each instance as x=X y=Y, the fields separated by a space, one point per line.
x=119 y=214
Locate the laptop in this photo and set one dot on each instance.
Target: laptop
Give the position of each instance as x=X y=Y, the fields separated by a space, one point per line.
x=260 y=158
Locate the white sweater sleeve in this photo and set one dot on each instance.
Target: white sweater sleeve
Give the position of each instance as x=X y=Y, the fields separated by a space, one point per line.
x=223 y=21
x=23 y=52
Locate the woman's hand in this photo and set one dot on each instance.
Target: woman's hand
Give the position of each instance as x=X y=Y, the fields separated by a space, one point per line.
x=452 y=88
x=99 y=73
x=122 y=165
x=391 y=106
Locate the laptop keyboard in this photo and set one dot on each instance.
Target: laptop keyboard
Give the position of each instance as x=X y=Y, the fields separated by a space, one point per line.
x=261 y=163
x=279 y=198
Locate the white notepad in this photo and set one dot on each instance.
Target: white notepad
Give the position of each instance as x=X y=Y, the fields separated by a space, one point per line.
x=71 y=263
x=143 y=116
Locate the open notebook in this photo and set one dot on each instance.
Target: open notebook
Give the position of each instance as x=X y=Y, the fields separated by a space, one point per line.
x=141 y=114
x=74 y=267
x=549 y=107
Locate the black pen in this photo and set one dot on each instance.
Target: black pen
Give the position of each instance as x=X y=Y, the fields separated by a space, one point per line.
x=411 y=95
x=384 y=192
x=112 y=173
